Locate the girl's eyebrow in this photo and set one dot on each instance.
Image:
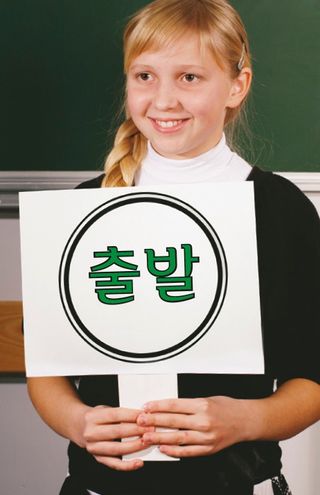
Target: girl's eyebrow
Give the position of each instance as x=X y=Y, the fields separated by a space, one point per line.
x=140 y=66
x=191 y=66
x=180 y=67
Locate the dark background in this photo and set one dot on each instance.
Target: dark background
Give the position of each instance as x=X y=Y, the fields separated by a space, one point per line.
x=61 y=81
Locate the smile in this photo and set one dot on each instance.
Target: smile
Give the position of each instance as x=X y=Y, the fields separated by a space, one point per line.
x=168 y=125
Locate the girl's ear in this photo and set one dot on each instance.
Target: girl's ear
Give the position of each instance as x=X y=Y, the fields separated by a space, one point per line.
x=240 y=87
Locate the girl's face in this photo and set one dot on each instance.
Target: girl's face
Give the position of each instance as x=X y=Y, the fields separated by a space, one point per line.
x=178 y=97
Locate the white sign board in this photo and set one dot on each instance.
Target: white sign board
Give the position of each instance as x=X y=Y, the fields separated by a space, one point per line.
x=141 y=280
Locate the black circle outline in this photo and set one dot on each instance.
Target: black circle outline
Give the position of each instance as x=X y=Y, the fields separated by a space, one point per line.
x=86 y=223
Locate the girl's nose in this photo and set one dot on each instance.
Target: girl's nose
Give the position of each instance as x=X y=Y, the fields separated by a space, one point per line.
x=165 y=97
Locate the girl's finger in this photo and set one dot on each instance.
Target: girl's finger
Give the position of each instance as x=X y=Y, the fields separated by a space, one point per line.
x=167 y=420
x=103 y=415
x=116 y=432
x=115 y=448
x=179 y=437
x=188 y=451
x=184 y=406
x=119 y=465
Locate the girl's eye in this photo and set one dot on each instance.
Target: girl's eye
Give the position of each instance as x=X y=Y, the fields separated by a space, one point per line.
x=190 y=77
x=144 y=76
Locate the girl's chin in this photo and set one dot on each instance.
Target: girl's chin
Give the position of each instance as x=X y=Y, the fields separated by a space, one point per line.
x=172 y=153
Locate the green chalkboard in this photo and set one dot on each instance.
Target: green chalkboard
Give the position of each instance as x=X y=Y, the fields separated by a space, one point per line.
x=61 y=81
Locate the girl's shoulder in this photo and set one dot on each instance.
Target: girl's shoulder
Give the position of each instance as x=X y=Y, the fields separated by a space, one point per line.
x=272 y=180
x=92 y=183
x=281 y=194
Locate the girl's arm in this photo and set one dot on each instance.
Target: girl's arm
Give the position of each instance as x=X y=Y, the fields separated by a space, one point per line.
x=57 y=402
x=96 y=429
x=207 y=425
x=293 y=407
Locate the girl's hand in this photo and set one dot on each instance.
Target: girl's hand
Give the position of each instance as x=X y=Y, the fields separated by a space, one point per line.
x=203 y=426
x=104 y=427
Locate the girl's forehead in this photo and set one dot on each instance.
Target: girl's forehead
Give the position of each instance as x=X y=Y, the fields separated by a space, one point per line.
x=185 y=50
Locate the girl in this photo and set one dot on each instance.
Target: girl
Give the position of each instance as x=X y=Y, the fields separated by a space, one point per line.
x=188 y=75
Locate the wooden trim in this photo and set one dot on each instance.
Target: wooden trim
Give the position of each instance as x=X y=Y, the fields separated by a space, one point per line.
x=11 y=183
x=306 y=181
x=11 y=339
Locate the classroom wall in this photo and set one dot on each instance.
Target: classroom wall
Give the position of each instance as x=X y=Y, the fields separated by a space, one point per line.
x=33 y=458
x=61 y=81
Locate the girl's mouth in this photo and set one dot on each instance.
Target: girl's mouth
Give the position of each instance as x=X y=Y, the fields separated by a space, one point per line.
x=168 y=126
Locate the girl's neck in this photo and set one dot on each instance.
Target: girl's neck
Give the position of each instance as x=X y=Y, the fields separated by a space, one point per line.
x=216 y=165
x=210 y=154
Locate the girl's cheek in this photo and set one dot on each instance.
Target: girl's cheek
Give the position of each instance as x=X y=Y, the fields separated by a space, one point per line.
x=137 y=99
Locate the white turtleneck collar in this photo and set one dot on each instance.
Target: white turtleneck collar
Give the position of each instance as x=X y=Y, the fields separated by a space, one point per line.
x=219 y=164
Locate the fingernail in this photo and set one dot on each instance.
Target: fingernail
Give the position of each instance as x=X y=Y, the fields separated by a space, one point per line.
x=149 y=429
x=142 y=419
x=146 y=406
x=146 y=440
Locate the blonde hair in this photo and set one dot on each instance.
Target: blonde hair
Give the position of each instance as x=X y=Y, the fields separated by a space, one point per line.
x=160 y=24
